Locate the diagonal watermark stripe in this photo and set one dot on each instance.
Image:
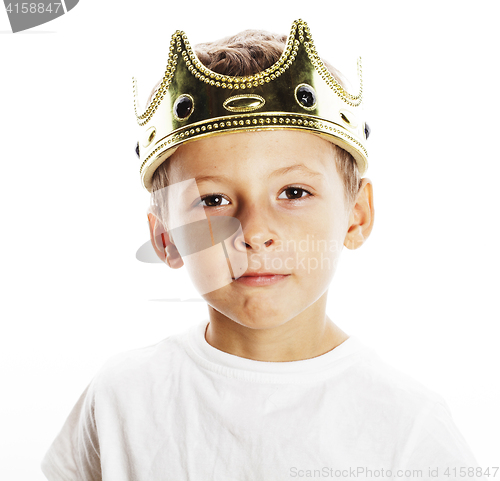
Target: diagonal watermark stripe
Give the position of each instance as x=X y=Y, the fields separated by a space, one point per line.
x=206 y=244
x=26 y=15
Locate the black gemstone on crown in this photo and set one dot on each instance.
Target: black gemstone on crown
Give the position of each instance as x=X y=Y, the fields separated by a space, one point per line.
x=183 y=107
x=137 y=150
x=306 y=96
x=367 y=130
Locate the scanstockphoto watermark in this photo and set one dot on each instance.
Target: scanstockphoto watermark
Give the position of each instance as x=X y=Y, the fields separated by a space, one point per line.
x=217 y=252
x=302 y=254
x=309 y=244
x=295 y=262
x=359 y=472
x=363 y=472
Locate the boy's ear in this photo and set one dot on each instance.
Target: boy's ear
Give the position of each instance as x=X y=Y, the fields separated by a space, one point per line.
x=361 y=217
x=162 y=244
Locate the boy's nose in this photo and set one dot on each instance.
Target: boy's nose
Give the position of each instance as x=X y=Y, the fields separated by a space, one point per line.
x=257 y=245
x=257 y=227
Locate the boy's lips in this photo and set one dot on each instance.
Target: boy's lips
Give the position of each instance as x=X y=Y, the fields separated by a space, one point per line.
x=259 y=274
x=255 y=278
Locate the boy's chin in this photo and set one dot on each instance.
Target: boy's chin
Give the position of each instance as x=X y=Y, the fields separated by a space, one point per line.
x=257 y=316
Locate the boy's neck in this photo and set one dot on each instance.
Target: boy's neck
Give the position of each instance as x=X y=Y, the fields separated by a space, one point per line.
x=308 y=335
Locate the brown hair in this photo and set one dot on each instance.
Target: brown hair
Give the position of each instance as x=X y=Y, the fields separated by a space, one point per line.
x=248 y=53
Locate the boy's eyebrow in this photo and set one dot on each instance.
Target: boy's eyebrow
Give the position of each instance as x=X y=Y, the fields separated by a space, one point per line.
x=300 y=167
x=284 y=170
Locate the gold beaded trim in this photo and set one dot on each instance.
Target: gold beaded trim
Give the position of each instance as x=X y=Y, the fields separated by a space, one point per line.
x=179 y=44
x=249 y=122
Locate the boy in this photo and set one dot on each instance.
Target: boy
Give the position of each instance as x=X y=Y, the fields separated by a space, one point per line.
x=255 y=168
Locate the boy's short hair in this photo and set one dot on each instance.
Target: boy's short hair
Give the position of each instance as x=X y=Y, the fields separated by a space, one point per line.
x=248 y=53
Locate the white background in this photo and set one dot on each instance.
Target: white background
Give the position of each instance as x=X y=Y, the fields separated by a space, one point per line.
x=423 y=290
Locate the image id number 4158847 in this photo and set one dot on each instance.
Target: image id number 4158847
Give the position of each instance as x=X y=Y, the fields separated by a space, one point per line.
x=483 y=473
x=33 y=7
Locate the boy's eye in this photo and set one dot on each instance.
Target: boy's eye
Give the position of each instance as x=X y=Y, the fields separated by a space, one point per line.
x=218 y=200
x=293 y=193
x=214 y=200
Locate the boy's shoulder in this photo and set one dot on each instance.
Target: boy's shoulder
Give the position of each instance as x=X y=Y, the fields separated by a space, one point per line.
x=137 y=366
x=387 y=385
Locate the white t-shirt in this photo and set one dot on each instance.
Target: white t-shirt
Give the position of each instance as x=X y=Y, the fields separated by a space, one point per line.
x=184 y=410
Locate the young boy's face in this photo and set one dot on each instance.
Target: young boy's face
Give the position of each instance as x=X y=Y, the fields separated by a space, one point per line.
x=284 y=188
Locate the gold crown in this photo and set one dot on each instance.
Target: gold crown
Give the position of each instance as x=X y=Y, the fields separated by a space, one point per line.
x=297 y=92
